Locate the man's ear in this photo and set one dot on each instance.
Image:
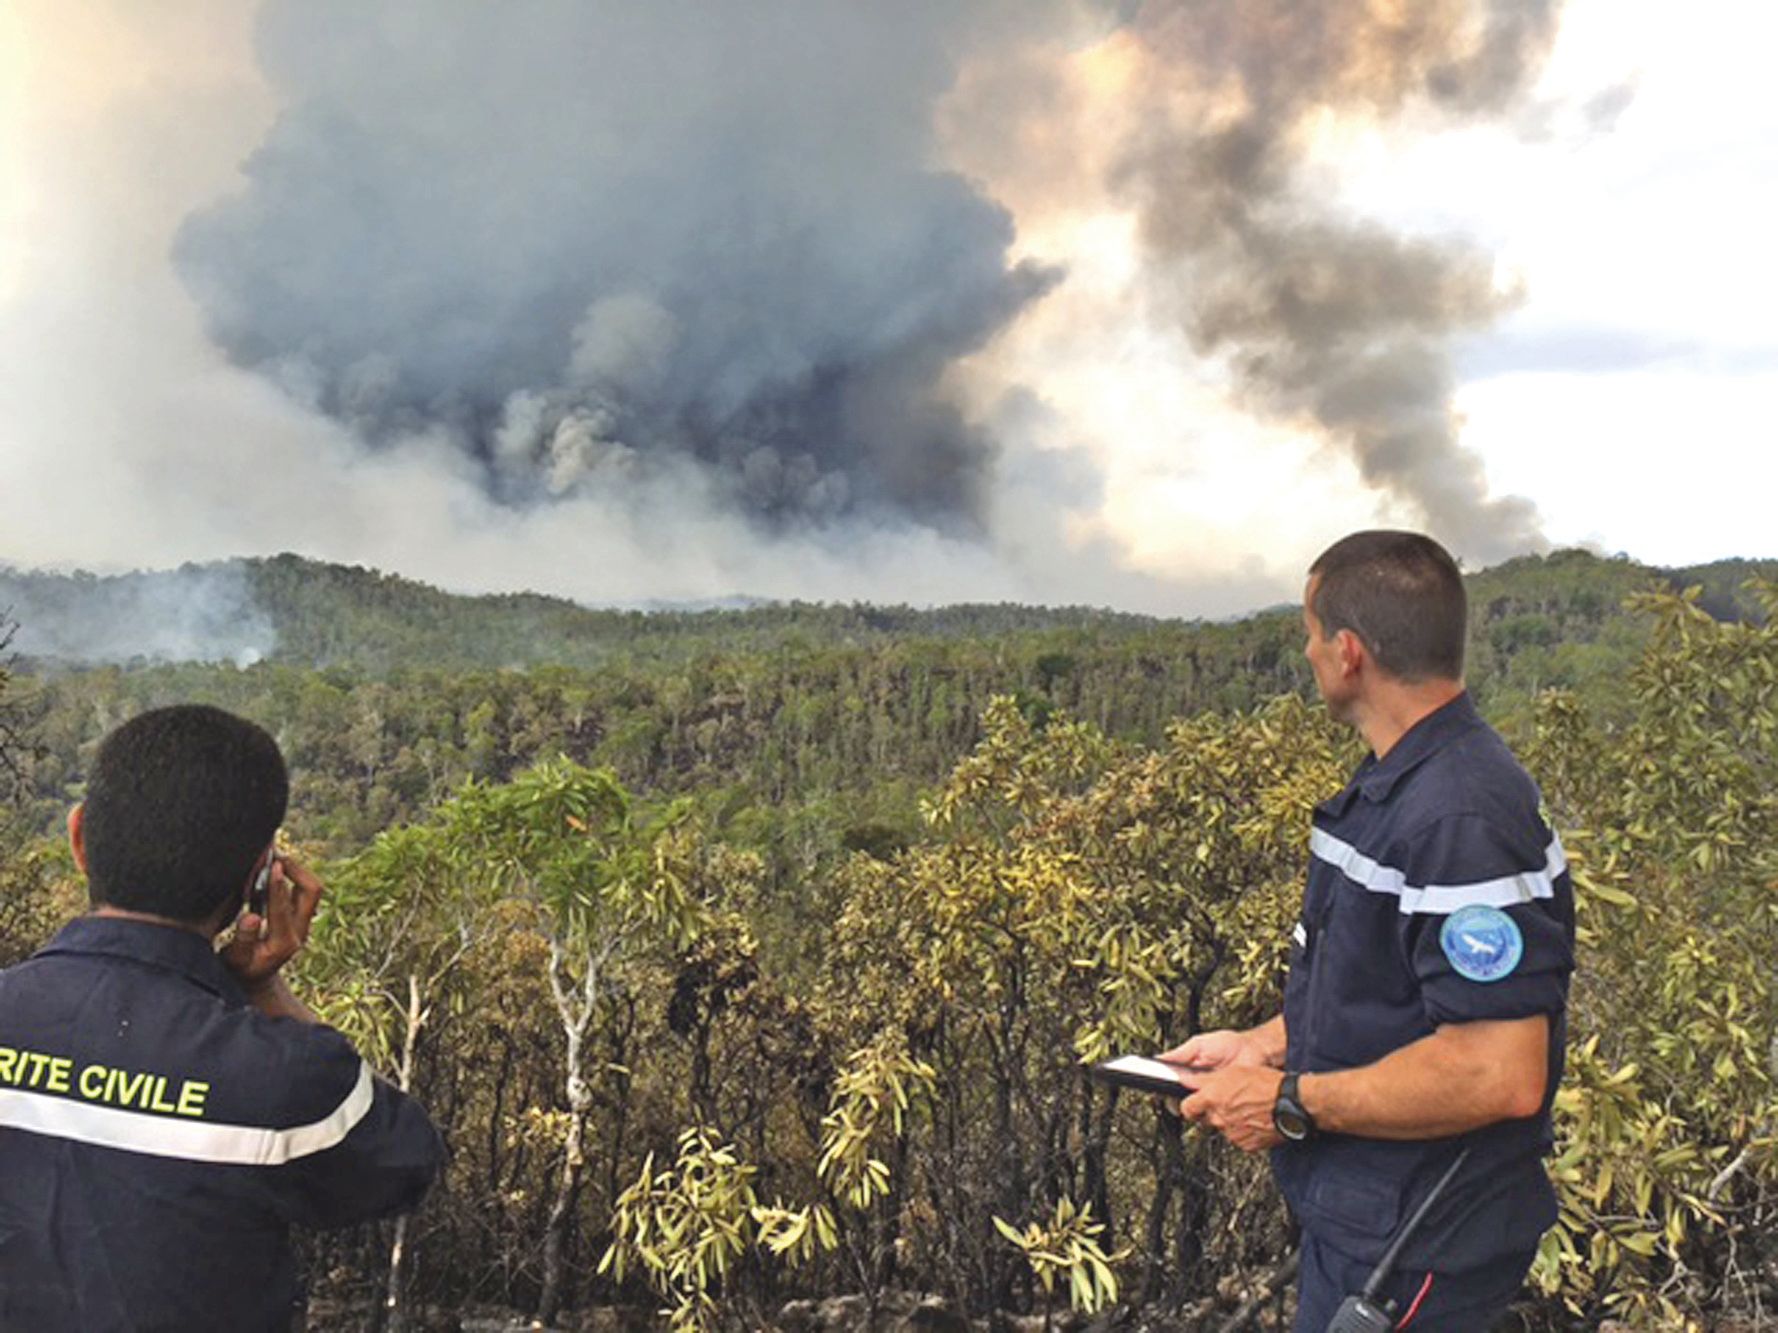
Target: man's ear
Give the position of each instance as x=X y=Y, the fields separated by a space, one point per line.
x=1352 y=652
x=77 y=834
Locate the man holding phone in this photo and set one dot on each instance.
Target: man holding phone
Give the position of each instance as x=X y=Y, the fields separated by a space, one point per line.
x=168 y=1110
x=1424 y=1012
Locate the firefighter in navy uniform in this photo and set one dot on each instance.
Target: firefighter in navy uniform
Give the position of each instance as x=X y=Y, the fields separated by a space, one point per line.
x=168 y=1110
x=1424 y=1010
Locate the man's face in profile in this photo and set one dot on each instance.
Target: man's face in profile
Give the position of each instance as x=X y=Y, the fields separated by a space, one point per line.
x=1323 y=653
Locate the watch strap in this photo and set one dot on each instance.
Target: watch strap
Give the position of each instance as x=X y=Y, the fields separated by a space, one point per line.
x=1290 y=1106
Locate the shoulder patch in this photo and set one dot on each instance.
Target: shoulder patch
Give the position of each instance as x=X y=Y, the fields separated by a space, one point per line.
x=1482 y=943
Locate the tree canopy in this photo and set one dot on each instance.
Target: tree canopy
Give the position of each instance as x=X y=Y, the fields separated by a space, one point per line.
x=749 y=978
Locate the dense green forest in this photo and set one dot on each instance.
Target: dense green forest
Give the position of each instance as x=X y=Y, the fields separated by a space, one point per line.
x=322 y=615
x=386 y=694
x=747 y=955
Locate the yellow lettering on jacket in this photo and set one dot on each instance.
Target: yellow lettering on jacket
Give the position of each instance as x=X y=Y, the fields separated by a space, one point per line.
x=104 y=1085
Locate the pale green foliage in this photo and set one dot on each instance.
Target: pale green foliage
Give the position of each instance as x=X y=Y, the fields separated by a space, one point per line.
x=1194 y=852
x=420 y=896
x=39 y=890
x=595 y=888
x=398 y=909
x=797 y=1235
x=870 y=1105
x=868 y=1110
x=16 y=747
x=1114 y=874
x=1665 y=1162
x=1016 y=771
x=1079 y=898
x=684 y=1226
x=564 y=835
x=1067 y=1245
x=559 y=834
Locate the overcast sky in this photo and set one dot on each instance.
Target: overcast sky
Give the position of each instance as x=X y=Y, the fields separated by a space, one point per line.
x=1630 y=395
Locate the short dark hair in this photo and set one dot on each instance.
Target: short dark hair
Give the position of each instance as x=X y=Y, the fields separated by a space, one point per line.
x=1402 y=594
x=179 y=805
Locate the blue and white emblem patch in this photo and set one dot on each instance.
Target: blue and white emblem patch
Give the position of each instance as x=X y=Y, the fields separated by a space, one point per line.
x=1483 y=943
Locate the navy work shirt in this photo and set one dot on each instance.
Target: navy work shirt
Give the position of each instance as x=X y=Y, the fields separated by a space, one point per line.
x=1436 y=894
x=158 y=1136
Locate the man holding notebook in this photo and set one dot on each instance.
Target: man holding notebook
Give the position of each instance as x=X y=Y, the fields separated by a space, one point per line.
x=1424 y=1014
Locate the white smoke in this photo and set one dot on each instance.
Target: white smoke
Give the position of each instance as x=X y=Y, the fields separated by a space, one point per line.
x=190 y=614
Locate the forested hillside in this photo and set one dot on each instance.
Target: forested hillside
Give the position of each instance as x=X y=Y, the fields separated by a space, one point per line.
x=314 y=614
x=864 y=885
x=387 y=694
x=379 y=675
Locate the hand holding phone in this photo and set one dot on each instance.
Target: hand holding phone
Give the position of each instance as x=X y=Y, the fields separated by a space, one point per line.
x=258 y=894
x=284 y=919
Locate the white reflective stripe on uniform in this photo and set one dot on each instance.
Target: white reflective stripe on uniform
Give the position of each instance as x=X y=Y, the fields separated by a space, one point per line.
x=1440 y=899
x=187 y=1140
x=1300 y=935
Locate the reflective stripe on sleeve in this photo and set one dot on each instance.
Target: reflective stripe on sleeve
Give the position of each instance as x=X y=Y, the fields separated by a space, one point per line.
x=1440 y=899
x=187 y=1140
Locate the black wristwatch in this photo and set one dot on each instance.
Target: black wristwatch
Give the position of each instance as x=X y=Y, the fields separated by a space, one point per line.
x=1289 y=1116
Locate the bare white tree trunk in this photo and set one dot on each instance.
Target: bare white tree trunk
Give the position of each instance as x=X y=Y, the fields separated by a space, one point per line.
x=575 y=1010
x=395 y=1313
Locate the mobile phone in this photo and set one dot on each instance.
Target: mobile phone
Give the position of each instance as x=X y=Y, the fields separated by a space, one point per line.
x=1158 y=1077
x=262 y=883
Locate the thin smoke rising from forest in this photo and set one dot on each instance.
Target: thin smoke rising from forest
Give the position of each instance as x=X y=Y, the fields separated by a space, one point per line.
x=1318 y=314
x=192 y=614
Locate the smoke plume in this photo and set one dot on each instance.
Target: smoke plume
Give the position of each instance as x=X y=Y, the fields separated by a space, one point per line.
x=1317 y=314
x=192 y=614
x=721 y=269
x=610 y=245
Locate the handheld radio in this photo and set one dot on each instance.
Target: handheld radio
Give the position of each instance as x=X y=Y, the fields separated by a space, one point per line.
x=1369 y=1311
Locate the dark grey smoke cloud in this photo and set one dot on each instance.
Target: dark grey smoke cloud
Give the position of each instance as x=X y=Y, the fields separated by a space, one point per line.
x=589 y=242
x=616 y=248
x=1318 y=314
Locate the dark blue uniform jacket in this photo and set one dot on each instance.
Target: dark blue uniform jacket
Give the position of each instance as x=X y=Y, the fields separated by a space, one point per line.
x=1436 y=894
x=158 y=1136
